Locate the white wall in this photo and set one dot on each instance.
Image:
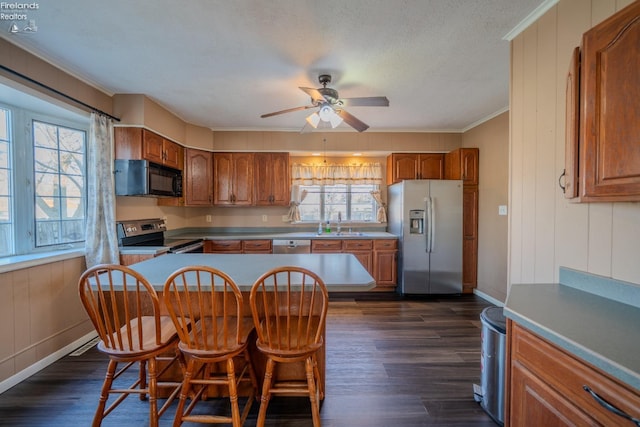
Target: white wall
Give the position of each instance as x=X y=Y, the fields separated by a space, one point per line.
x=545 y=230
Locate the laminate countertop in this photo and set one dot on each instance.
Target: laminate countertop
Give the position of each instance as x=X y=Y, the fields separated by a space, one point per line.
x=592 y=317
x=339 y=272
x=256 y=235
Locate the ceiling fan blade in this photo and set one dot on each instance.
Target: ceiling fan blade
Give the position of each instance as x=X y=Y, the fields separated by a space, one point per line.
x=288 y=110
x=314 y=94
x=353 y=121
x=369 y=101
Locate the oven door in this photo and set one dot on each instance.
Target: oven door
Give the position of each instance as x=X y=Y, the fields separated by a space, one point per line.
x=192 y=248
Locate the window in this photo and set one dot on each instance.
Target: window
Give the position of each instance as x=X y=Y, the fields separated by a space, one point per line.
x=353 y=201
x=59 y=176
x=6 y=223
x=42 y=181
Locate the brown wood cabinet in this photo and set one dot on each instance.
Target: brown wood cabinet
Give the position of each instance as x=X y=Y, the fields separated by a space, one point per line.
x=235 y=246
x=272 y=186
x=401 y=166
x=141 y=144
x=469 y=238
x=462 y=163
x=233 y=179
x=378 y=256
x=361 y=249
x=609 y=100
x=326 y=246
x=198 y=178
x=257 y=247
x=128 y=259
x=223 y=246
x=385 y=264
x=545 y=386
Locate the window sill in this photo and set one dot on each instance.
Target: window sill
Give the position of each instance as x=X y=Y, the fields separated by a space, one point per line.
x=19 y=262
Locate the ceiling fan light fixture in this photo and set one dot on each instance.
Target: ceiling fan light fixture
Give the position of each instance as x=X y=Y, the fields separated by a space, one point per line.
x=328 y=114
x=335 y=120
x=314 y=120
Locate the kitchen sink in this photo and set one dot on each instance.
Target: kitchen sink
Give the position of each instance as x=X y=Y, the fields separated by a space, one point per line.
x=343 y=234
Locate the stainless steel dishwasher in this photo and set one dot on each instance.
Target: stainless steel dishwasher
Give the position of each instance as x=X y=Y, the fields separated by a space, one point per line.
x=296 y=246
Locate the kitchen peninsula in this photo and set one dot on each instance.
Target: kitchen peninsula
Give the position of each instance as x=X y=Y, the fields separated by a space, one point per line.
x=340 y=273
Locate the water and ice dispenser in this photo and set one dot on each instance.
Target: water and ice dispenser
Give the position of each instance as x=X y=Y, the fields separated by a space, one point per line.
x=416 y=221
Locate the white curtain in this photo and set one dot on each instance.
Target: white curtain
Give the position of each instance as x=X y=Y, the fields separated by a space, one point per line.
x=297 y=197
x=381 y=214
x=101 y=241
x=366 y=173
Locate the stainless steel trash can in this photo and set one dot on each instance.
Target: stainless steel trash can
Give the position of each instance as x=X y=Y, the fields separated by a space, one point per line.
x=492 y=362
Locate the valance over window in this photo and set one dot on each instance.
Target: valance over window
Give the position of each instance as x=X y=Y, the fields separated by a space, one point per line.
x=366 y=173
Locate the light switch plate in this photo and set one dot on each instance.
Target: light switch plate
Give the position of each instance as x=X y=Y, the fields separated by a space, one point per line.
x=502 y=210
x=264 y=218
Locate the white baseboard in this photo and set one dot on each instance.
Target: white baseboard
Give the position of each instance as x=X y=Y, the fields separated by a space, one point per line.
x=43 y=363
x=489 y=298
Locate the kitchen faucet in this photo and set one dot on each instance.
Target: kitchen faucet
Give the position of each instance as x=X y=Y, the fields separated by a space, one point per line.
x=339 y=227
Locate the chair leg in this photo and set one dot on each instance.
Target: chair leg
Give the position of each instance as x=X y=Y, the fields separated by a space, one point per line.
x=143 y=378
x=313 y=397
x=104 y=393
x=186 y=385
x=266 y=393
x=316 y=371
x=153 y=393
x=233 y=393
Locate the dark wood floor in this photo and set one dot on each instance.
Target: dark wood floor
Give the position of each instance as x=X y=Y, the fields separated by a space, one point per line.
x=390 y=362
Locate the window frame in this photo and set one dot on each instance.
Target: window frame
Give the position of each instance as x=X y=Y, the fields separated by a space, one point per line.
x=348 y=204
x=23 y=178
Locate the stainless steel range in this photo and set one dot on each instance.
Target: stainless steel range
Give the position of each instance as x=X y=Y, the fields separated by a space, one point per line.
x=150 y=232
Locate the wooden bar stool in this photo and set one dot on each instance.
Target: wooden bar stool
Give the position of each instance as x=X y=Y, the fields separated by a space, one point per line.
x=289 y=308
x=125 y=311
x=215 y=346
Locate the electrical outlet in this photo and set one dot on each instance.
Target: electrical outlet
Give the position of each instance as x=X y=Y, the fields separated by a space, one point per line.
x=285 y=218
x=264 y=218
x=502 y=210
x=207 y=218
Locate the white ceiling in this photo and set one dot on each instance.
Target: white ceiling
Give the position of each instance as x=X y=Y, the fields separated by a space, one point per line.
x=443 y=64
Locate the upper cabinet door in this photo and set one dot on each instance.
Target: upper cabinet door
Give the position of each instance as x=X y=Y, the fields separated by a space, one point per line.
x=431 y=166
x=570 y=186
x=271 y=179
x=233 y=177
x=198 y=180
x=152 y=147
x=463 y=164
x=401 y=166
x=610 y=113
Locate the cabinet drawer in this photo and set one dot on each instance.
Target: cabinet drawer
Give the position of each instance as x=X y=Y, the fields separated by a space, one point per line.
x=256 y=245
x=568 y=375
x=326 y=245
x=224 y=245
x=357 y=245
x=385 y=244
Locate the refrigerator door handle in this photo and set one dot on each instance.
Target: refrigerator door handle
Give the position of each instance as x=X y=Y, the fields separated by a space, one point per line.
x=428 y=213
x=432 y=224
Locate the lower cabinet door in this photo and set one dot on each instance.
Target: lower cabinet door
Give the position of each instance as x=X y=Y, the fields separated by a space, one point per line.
x=534 y=403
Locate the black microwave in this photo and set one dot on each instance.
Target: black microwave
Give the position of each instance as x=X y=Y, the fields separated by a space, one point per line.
x=144 y=178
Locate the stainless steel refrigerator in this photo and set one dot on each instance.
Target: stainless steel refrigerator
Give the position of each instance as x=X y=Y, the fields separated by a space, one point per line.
x=426 y=215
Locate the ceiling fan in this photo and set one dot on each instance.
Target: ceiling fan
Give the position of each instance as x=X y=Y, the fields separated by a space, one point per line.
x=330 y=106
